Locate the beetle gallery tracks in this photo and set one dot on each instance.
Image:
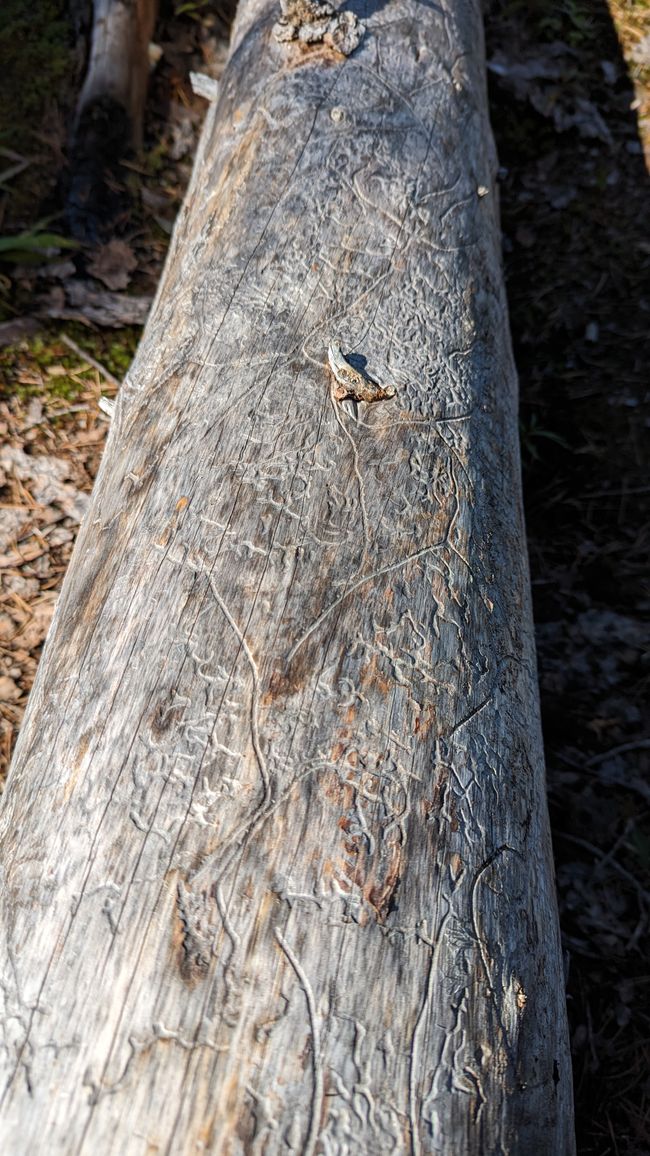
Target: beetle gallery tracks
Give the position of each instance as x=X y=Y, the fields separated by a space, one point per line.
x=276 y=860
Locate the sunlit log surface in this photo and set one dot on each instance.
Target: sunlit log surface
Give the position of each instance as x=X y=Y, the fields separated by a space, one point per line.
x=276 y=863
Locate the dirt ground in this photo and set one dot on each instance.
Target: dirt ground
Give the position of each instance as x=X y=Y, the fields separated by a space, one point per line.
x=569 y=86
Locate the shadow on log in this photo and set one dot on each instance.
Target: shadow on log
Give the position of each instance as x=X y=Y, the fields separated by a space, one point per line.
x=276 y=862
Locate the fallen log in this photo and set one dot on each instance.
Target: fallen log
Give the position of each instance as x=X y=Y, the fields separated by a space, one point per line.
x=276 y=862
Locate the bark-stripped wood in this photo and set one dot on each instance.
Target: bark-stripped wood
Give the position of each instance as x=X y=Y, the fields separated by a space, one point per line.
x=110 y=110
x=118 y=67
x=275 y=849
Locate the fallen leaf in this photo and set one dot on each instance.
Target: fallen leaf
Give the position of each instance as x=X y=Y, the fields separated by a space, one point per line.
x=113 y=264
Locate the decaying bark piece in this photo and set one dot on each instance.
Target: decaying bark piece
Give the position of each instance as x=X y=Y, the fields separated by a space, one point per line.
x=318 y=22
x=352 y=384
x=276 y=862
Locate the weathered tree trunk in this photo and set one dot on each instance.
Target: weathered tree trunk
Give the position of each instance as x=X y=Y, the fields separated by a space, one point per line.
x=276 y=862
x=110 y=112
x=118 y=67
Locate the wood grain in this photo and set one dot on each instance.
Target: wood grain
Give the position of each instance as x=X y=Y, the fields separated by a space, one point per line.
x=275 y=852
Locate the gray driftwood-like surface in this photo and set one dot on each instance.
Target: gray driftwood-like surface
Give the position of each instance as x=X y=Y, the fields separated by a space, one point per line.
x=118 y=65
x=109 y=116
x=276 y=873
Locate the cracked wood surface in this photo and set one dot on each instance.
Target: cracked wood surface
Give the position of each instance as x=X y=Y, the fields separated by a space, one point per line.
x=276 y=869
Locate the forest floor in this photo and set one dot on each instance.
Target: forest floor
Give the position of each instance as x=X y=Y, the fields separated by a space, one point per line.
x=569 y=88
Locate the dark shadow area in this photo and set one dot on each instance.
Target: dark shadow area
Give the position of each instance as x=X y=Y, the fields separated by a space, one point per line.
x=575 y=202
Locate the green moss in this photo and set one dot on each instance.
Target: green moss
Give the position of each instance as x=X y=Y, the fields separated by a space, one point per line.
x=114 y=349
x=36 y=356
x=154 y=160
x=119 y=354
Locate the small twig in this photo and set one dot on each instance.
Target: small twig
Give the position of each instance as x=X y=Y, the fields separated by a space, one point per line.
x=614 y=493
x=14 y=170
x=53 y=413
x=640 y=745
x=205 y=86
x=610 y=855
x=107 y=406
x=106 y=373
x=613 y=863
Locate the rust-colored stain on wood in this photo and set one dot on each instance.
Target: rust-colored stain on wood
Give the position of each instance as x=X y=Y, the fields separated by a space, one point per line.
x=174 y=522
x=205 y=1136
x=76 y=764
x=374 y=674
x=380 y=892
x=289 y=678
x=234 y=177
x=424 y=720
x=334 y=789
x=84 y=743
